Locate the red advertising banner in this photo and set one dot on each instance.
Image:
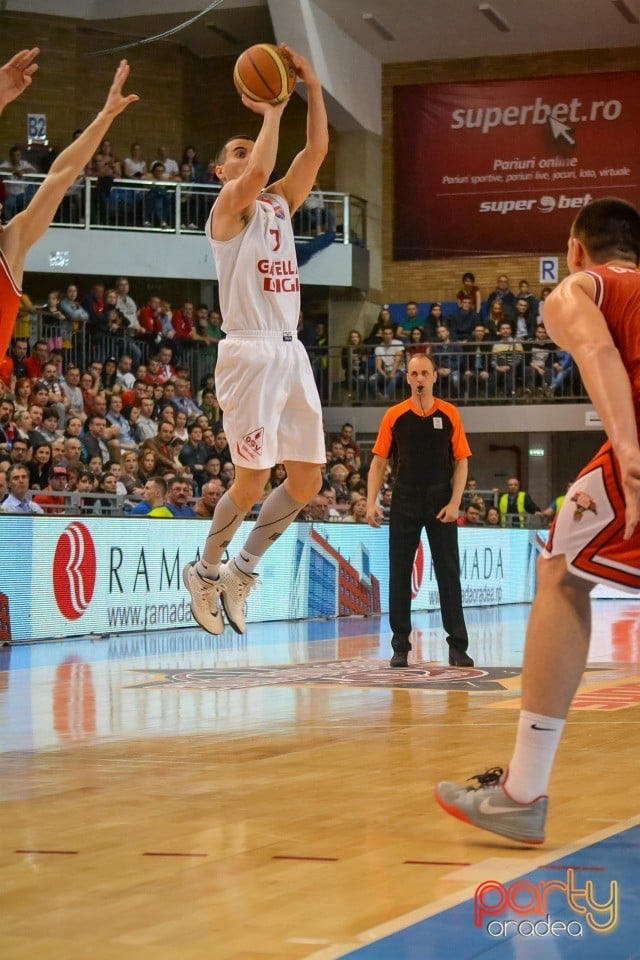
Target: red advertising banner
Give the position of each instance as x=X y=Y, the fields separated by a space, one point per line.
x=504 y=166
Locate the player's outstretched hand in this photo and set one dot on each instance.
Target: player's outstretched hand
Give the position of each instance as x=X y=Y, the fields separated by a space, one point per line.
x=16 y=75
x=302 y=66
x=116 y=100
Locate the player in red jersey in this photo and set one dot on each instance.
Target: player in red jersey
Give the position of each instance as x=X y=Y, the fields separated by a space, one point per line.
x=23 y=230
x=594 y=314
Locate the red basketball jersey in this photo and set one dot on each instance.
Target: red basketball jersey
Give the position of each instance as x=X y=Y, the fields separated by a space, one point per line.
x=618 y=296
x=9 y=302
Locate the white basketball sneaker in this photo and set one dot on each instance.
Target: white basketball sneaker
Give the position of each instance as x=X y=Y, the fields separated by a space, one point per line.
x=205 y=599
x=490 y=807
x=236 y=587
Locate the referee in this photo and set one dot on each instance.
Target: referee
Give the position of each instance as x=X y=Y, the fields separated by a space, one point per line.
x=426 y=439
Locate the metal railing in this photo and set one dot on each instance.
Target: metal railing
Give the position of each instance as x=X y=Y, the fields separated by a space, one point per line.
x=167 y=206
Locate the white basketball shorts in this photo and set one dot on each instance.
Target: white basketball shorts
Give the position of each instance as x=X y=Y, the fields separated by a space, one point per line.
x=271 y=410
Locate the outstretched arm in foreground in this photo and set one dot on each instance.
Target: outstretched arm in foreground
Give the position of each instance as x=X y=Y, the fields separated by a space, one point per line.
x=16 y=74
x=28 y=226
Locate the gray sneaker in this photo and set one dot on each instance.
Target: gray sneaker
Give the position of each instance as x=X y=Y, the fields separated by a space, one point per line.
x=490 y=807
x=236 y=587
x=205 y=599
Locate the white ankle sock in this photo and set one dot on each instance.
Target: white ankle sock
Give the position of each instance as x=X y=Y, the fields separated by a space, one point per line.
x=208 y=571
x=245 y=562
x=536 y=744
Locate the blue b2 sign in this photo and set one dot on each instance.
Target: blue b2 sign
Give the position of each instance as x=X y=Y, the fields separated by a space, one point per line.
x=36 y=127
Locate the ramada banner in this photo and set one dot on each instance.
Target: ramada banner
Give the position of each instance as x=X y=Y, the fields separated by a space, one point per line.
x=505 y=166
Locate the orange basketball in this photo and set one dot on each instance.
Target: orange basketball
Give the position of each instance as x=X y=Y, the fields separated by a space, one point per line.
x=264 y=73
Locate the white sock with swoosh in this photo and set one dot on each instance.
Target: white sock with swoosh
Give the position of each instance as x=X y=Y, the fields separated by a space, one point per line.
x=536 y=744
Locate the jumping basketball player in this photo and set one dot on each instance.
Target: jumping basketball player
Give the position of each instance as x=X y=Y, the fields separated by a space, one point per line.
x=264 y=382
x=594 y=315
x=25 y=228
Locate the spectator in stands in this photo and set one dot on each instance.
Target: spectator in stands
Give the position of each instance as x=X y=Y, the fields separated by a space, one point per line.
x=213 y=466
x=129 y=464
x=496 y=317
x=471 y=290
x=109 y=374
x=182 y=400
x=153 y=495
x=228 y=473
x=354 y=360
x=49 y=426
x=492 y=518
x=338 y=477
x=177 y=503
x=95 y=467
x=35 y=363
x=211 y=492
x=184 y=324
x=221 y=447
x=14 y=363
x=161 y=447
x=447 y=357
x=165 y=357
x=146 y=428
x=55 y=323
x=122 y=426
x=506 y=363
x=194 y=455
x=150 y=320
x=385 y=504
x=72 y=451
x=135 y=166
x=40 y=467
x=4 y=489
x=524 y=293
x=463 y=321
x=388 y=378
x=127 y=306
x=94 y=441
x=539 y=363
x=157 y=200
x=416 y=343
x=146 y=465
x=107 y=506
x=72 y=308
x=111 y=163
x=515 y=504
x=22 y=393
x=544 y=293
x=433 y=321
x=190 y=156
x=331 y=509
x=51 y=499
x=525 y=325
x=189 y=202
x=563 y=370
x=89 y=385
x=357 y=510
x=476 y=363
x=471 y=517
x=18 y=484
x=17 y=191
x=93 y=303
x=504 y=295
x=210 y=407
x=409 y=322
x=277 y=476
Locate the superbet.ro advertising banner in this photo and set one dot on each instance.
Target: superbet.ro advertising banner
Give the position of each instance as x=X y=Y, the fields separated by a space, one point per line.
x=505 y=166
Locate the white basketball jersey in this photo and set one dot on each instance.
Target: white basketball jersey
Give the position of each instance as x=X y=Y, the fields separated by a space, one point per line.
x=258 y=271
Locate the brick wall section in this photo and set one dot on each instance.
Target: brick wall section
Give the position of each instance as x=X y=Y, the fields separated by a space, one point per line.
x=183 y=99
x=439 y=279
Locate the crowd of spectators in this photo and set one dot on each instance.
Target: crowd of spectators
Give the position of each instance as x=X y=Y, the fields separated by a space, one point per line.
x=496 y=349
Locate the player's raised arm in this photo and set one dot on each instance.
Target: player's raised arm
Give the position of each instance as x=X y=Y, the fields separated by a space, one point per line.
x=244 y=167
x=297 y=183
x=16 y=75
x=577 y=325
x=28 y=226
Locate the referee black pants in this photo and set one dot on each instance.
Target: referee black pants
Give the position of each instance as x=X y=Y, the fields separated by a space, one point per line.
x=412 y=509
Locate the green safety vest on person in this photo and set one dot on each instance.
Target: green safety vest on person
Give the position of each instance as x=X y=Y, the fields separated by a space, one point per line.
x=503 y=503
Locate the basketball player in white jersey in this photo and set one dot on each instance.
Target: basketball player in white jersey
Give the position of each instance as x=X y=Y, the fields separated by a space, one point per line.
x=264 y=382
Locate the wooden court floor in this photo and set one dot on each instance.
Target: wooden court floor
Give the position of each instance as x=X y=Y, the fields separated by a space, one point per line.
x=175 y=795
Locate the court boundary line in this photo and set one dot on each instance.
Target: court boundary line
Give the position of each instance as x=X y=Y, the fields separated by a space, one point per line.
x=379 y=932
